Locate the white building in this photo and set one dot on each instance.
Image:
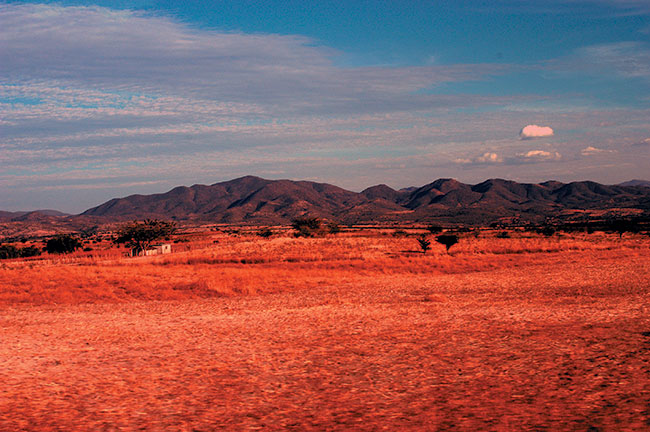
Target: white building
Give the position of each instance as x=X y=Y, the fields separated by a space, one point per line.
x=157 y=249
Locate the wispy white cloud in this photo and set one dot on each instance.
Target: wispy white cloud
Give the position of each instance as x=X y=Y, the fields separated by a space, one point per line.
x=127 y=51
x=628 y=59
x=90 y=83
x=590 y=151
x=539 y=156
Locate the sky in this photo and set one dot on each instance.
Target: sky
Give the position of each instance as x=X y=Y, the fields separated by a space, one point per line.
x=103 y=99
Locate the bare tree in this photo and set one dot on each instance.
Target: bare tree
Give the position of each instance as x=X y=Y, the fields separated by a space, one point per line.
x=425 y=244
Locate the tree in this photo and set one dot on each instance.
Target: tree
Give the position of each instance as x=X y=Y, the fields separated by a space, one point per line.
x=62 y=244
x=306 y=226
x=88 y=232
x=448 y=240
x=425 y=244
x=9 y=251
x=140 y=235
x=547 y=230
x=265 y=232
x=621 y=226
x=29 y=251
x=434 y=229
x=333 y=227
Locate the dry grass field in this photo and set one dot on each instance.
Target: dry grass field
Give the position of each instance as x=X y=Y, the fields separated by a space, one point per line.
x=356 y=331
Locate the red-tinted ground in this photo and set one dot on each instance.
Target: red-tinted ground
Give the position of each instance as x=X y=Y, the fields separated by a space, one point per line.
x=551 y=341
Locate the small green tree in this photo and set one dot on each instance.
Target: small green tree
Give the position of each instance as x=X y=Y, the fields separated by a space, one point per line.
x=62 y=244
x=140 y=235
x=448 y=240
x=425 y=244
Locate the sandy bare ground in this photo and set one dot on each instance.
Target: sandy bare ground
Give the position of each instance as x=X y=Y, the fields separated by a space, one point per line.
x=524 y=348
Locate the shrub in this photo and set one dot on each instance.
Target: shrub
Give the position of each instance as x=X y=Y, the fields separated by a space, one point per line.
x=265 y=232
x=434 y=229
x=547 y=231
x=333 y=227
x=621 y=226
x=9 y=251
x=503 y=235
x=306 y=226
x=88 y=232
x=448 y=240
x=62 y=244
x=29 y=251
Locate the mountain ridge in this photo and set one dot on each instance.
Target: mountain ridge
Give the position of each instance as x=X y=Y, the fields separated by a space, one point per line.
x=254 y=200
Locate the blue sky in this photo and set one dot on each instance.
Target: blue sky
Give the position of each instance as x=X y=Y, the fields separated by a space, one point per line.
x=109 y=98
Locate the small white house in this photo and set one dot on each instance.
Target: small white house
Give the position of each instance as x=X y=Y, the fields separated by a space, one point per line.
x=157 y=249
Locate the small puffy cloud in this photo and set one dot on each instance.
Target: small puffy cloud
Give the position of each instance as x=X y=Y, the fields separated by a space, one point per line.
x=539 y=156
x=485 y=158
x=589 y=151
x=488 y=157
x=534 y=131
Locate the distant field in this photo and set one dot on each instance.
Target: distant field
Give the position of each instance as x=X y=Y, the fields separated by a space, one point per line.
x=354 y=331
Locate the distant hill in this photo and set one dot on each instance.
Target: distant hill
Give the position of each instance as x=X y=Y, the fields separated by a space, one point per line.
x=253 y=200
x=30 y=215
x=645 y=183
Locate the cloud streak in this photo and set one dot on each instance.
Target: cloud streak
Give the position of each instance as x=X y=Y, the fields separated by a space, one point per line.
x=131 y=52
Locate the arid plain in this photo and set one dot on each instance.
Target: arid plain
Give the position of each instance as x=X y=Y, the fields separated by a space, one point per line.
x=353 y=331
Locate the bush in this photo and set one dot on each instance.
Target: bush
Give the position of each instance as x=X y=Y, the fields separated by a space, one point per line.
x=8 y=252
x=62 y=244
x=11 y=251
x=621 y=226
x=503 y=235
x=307 y=226
x=265 y=232
x=448 y=240
x=547 y=231
x=434 y=229
x=333 y=227
x=29 y=251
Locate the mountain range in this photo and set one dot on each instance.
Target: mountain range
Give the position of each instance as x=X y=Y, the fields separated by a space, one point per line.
x=256 y=200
